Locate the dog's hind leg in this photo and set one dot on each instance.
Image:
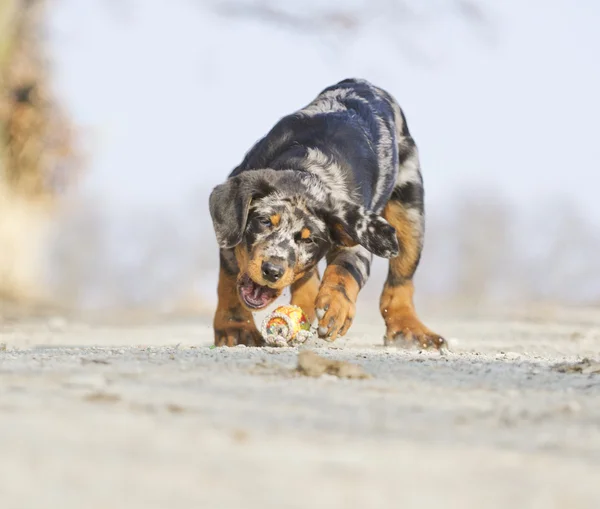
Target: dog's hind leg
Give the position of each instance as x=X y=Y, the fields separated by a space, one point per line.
x=233 y=324
x=304 y=293
x=405 y=212
x=347 y=272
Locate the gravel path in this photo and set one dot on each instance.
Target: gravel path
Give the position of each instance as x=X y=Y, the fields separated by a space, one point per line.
x=152 y=417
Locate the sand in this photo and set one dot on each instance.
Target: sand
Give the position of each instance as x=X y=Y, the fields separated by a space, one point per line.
x=149 y=416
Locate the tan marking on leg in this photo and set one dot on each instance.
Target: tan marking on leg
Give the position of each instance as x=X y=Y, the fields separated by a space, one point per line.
x=304 y=293
x=396 y=303
x=409 y=240
x=401 y=320
x=233 y=324
x=336 y=302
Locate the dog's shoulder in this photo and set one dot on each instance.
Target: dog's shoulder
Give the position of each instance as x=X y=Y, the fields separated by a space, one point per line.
x=283 y=135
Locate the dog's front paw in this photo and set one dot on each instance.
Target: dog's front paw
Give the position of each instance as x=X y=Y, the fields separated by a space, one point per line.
x=233 y=333
x=409 y=332
x=335 y=312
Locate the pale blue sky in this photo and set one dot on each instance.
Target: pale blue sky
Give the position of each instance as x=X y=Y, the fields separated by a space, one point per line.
x=170 y=96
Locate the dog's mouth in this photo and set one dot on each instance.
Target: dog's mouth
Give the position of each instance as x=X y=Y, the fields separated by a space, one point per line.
x=255 y=296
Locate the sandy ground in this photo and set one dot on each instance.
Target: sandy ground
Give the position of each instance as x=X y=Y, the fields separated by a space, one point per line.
x=151 y=417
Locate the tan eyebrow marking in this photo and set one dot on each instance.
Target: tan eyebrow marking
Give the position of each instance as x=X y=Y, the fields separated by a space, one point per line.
x=305 y=233
x=275 y=219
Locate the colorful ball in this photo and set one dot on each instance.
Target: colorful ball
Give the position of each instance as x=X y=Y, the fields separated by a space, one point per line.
x=286 y=326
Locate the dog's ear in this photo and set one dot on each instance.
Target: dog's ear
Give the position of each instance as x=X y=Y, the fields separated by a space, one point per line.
x=229 y=204
x=352 y=225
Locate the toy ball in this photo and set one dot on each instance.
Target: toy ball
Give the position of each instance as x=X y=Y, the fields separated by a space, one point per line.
x=286 y=326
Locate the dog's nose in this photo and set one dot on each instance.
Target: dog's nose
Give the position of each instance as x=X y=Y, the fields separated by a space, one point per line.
x=272 y=271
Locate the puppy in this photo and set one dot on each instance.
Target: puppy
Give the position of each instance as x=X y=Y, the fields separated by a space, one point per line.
x=338 y=179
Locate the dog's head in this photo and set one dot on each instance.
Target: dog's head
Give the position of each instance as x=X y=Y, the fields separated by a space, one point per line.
x=282 y=223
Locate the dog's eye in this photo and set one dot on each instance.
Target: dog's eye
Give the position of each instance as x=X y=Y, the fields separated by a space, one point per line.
x=265 y=221
x=302 y=238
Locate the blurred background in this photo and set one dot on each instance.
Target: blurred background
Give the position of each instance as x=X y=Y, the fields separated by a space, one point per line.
x=117 y=118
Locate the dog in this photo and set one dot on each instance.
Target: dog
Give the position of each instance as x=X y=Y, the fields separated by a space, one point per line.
x=338 y=179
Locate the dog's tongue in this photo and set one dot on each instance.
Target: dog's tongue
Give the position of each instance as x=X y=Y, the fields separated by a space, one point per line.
x=255 y=295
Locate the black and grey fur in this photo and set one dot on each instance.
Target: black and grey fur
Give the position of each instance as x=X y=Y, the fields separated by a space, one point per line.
x=346 y=154
x=333 y=165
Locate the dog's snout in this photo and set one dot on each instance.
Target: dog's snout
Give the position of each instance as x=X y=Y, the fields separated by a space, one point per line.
x=272 y=272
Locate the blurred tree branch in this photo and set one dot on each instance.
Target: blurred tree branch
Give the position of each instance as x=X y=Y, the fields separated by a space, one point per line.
x=403 y=22
x=345 y=18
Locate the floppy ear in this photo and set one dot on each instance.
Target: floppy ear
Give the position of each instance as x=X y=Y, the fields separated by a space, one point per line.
x=355 y=225
x=229 y=204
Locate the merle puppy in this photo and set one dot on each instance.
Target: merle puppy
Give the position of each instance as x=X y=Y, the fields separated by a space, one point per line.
x=339 y=179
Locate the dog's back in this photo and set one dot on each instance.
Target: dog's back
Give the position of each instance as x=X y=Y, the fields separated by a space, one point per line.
x=350 y=135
